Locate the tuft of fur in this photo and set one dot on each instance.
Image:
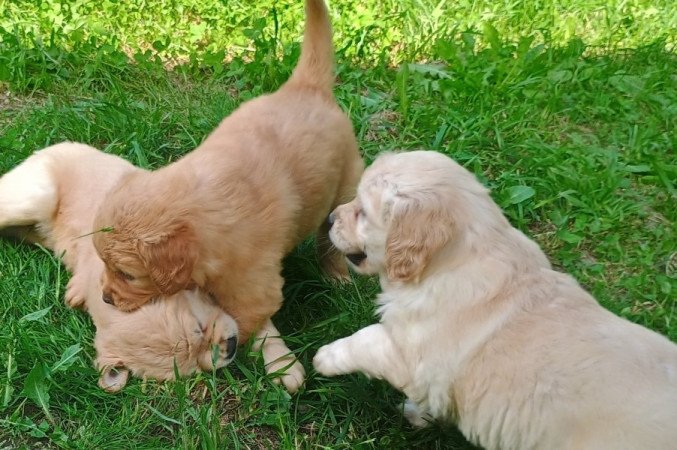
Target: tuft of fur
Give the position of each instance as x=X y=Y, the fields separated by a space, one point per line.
x=315 y=67
x=55 y=193
x=487 y=334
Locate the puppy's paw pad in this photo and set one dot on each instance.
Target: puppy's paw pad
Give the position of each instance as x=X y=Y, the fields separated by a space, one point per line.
x=414 y=415
x=291 y=376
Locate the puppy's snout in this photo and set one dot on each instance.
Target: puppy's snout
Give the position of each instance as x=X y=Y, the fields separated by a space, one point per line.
x=231 y=346
x=331 y=219
x=107 y=298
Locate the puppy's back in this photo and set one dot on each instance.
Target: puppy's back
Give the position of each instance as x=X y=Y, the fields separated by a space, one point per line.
x=590 y=378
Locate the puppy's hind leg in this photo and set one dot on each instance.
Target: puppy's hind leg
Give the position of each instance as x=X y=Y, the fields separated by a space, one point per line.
x=28 y=193
x=333 y=263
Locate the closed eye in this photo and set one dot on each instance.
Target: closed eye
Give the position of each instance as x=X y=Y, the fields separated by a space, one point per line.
x=125 y=275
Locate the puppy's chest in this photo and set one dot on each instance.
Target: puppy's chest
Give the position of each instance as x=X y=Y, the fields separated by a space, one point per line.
x=436 y=349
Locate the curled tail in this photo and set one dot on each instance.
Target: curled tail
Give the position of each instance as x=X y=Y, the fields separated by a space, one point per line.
x=316 y=64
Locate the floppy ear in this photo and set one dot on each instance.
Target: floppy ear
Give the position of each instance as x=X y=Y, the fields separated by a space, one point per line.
x=169 y=259
x=419 y=228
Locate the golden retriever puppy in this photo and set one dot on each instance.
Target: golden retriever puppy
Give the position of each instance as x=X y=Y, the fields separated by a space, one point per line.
x=477 y=328
x=223 y=216
x=50 y=199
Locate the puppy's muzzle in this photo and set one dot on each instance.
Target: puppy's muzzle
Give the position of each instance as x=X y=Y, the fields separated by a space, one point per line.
x=331 y=218
x=107 y=298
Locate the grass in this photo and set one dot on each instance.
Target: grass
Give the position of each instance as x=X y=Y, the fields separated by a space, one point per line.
x=566 y=110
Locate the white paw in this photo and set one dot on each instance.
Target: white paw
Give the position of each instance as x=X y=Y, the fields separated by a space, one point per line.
x=328 y=359
x=414 y=415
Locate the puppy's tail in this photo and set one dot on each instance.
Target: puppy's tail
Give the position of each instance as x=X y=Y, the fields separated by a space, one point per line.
x=316 y=64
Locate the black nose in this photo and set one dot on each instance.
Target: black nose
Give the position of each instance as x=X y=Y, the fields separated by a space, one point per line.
x=231 y=346
x=107 y=298
x=331 y=219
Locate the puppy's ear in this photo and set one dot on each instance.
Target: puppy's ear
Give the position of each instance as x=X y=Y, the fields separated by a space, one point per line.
x=419 y=228
x=169 y=259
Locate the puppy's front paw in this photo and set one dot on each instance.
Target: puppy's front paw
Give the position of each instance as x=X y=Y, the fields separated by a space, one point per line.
x=415 y=415
x=330 y=359
x=291 y=376
x=76 y=291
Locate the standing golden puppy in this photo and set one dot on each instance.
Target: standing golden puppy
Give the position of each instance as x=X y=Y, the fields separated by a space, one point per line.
x=50 y=198
x=223 y=216
x=477 y=328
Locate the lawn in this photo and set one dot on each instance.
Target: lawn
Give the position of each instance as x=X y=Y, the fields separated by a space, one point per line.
x=566 y=110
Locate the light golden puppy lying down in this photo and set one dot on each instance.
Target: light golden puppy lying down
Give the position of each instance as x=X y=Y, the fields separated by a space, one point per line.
x=477 y=328
x=224 y=215
x=50 y=199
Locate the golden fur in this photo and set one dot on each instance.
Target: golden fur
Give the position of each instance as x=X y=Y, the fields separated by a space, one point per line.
x=477 y=328
x=51 y=198
x=223 y=216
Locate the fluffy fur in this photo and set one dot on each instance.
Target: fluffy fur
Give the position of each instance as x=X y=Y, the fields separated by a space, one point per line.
x=477 y=328
x=50 y=199
x=223 y=216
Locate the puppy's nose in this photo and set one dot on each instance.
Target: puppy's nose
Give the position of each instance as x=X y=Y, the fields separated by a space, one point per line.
x=331 y=219
x=107 y=298
x=231 y=347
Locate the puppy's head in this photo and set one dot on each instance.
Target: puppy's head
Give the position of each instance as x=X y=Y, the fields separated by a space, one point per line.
x=148 y=250
x=405 y=212
x=187 y=333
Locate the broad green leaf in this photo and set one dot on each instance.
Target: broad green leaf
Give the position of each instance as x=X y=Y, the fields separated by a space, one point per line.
x=518 y=194
x=430 y=69
x=568 y=236
x=641 y=168
x=37 y=388
x=37 y=315
x=491 y=35
x=67 y=359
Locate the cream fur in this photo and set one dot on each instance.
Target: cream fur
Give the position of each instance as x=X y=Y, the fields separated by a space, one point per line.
x=50 y=198
x=478 y=329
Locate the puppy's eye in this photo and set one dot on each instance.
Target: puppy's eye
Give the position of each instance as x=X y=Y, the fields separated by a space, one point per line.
x=125 y=275
x=359 y=213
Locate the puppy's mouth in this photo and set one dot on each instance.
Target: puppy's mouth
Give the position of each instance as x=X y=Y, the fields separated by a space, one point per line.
x=356 y=258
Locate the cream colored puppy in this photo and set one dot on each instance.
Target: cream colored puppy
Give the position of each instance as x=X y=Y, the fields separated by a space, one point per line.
x=477 y=328
x=51 y=199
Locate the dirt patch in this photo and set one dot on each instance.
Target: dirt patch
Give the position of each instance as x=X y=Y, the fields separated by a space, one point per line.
x=11 y=104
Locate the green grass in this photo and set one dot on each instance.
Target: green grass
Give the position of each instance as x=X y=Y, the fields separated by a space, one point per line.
x=566 y=110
